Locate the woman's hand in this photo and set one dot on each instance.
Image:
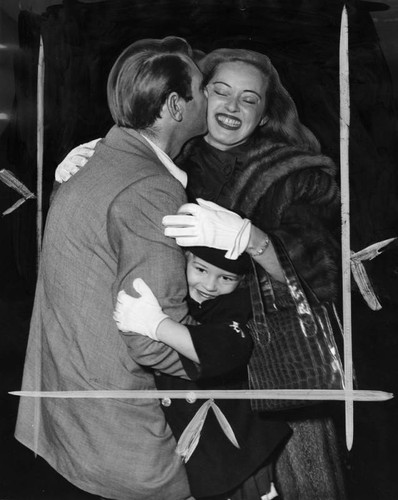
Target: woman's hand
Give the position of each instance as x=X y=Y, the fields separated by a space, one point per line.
x=208 y=224
x=75 y=160
x=139 y=315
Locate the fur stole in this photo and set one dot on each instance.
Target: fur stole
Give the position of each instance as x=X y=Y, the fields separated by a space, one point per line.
x=267 y=164
x=292 y=193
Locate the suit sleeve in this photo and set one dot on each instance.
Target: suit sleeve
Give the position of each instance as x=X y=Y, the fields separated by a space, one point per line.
x=135 y=232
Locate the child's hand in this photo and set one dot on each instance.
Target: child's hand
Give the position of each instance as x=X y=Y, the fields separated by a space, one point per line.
x=141 y=315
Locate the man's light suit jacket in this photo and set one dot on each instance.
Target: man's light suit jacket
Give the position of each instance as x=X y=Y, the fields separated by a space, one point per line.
x=103 y=230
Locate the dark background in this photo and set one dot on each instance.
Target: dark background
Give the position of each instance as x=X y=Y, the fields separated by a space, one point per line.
x=81 y=41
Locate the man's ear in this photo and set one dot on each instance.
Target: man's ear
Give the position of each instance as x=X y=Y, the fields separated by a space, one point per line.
x=175 y=106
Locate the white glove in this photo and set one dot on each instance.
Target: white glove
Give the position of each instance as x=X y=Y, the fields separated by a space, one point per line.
x=75 y=160
x=207 y=224
x=141 y=315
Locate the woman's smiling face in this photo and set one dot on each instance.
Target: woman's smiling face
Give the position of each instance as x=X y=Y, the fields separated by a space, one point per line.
x=235 y=104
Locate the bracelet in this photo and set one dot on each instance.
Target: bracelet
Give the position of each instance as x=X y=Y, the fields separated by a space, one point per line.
x=256 y=252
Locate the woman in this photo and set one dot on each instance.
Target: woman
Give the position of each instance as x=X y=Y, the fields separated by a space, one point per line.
x=259 y=160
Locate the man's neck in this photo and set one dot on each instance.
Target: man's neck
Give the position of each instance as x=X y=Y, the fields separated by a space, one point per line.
x=168 y=139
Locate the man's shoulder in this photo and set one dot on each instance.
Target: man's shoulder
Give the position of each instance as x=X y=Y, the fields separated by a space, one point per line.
x=124 y=149
x=131 y=156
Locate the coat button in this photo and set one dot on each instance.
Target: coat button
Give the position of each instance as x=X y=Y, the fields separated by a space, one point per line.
x=191 y=397
x=166 y=401
x=227 y=170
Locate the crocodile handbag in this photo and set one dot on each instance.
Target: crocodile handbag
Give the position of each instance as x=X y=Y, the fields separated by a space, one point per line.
x=294 y=347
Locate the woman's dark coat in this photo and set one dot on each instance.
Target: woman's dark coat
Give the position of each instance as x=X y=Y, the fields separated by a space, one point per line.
x=283 y=190
x=292 y=193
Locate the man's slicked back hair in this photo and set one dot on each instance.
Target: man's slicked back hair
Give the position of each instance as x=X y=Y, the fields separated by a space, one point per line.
x=143 y=77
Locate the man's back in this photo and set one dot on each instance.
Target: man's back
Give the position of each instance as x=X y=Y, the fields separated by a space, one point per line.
x=104 y=230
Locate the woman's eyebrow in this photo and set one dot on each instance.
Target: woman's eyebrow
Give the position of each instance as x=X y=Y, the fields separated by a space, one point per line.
x=222 y=83
x=246 y=90
x=253 y=92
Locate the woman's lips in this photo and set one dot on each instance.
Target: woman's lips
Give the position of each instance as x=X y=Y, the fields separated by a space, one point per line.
x=228 y=122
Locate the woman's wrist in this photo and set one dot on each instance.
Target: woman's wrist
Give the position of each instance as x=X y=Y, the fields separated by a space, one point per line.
x=261 y=249
x=258 y=244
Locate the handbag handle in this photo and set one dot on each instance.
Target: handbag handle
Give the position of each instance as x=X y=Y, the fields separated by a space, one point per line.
x=304 y=312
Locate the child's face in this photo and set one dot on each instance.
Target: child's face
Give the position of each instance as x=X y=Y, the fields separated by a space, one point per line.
x=206 y=281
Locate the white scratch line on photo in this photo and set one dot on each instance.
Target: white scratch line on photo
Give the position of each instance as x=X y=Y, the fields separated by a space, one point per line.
x=301 y=394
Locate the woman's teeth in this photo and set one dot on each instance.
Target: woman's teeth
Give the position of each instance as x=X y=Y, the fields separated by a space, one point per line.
x=228 y=122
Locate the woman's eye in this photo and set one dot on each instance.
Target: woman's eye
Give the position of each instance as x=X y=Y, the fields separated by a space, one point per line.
x=250 y=101
x=200 y=270
x=219 y=92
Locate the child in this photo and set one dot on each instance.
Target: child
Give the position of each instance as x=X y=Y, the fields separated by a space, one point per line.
x=231 y=460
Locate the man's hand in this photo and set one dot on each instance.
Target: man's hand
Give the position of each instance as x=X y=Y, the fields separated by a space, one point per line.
x=208 y=224
x=75 y=160
x=140 y=315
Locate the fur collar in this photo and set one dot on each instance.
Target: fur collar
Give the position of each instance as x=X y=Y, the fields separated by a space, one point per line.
x=267 y=164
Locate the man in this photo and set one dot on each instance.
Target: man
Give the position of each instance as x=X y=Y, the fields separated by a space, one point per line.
x=103 y=230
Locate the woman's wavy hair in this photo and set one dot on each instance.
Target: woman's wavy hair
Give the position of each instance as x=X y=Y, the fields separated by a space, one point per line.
x=283 y=124
x=144 y=75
